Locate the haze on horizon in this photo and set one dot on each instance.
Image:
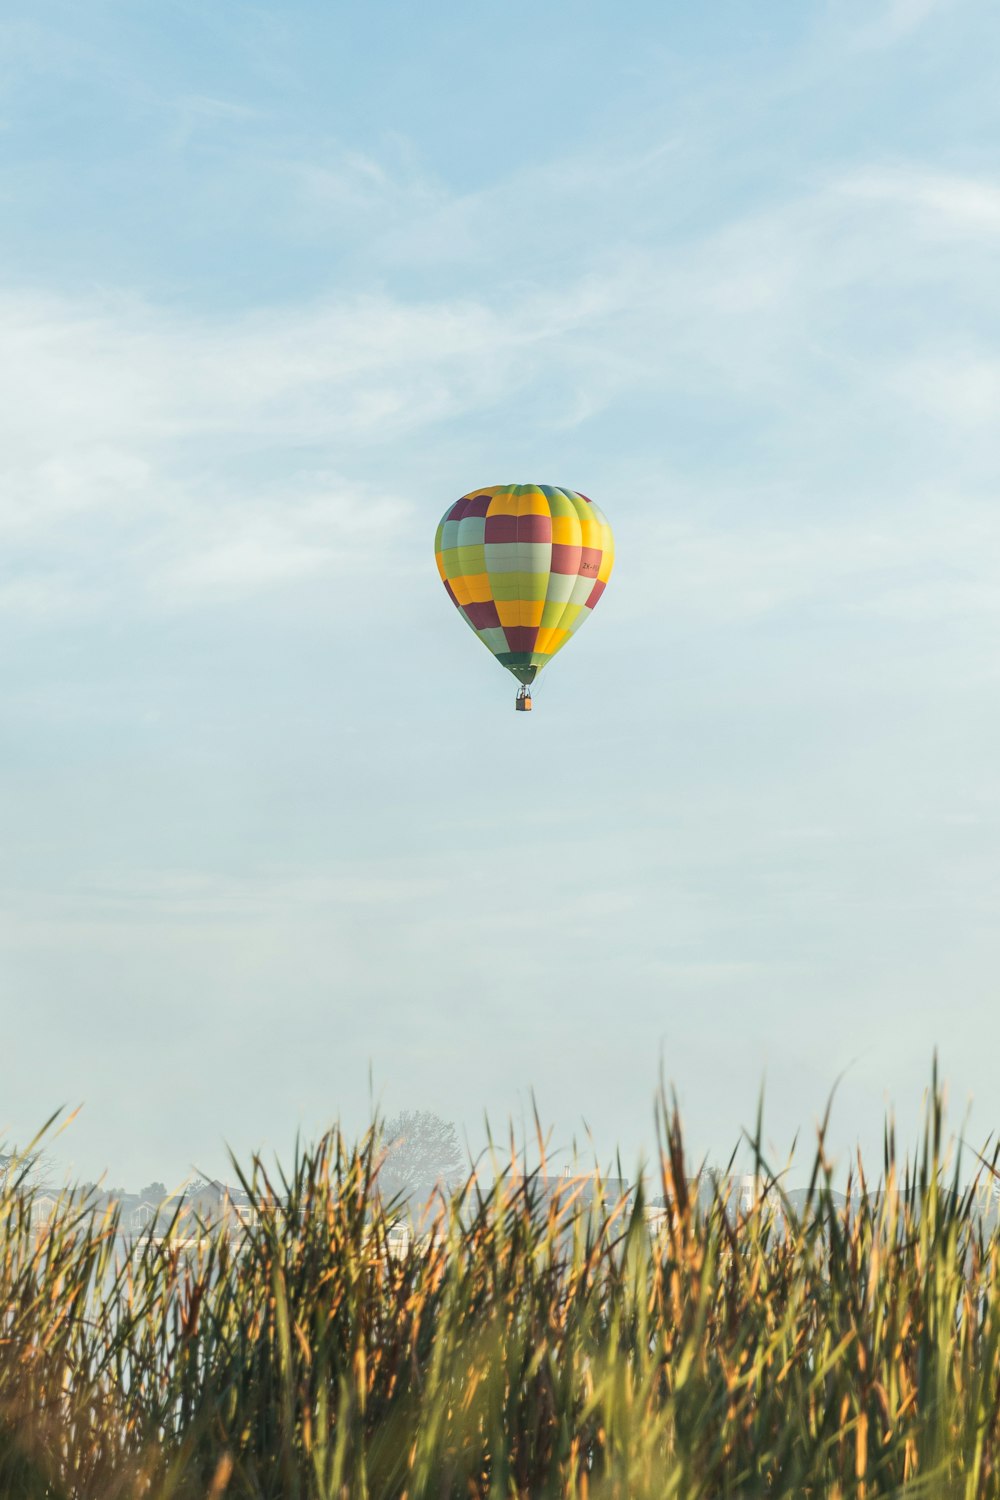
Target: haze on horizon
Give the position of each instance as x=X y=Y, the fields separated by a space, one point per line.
x=275 y=288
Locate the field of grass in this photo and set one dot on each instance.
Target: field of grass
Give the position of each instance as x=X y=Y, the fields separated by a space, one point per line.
x=529 y=1349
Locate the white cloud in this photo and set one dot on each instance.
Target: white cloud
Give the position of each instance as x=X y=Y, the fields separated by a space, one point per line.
x=361 y=193
x=42 y=596
x=959 y=205
x=961 y=391
x=208 y=457
x=896 y=21
x=196 y=113
x=930 y=556
x=241 y=548
x=190 y=447
x=180 y=898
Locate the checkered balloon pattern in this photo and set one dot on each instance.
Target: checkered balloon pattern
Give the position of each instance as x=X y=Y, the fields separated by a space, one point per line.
x=524 y=564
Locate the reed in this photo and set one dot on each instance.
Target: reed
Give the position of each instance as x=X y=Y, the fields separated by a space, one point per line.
x=529 y=1346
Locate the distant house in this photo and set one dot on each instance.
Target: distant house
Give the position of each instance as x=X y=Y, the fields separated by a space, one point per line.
x=577 y=1192
x=43 y=1208
x=216 y=1202
x=398 y=1241
x=986 y=1195
x=205 y=1205
x=740 y=1194
x=657 y=1208
x=144 y=1217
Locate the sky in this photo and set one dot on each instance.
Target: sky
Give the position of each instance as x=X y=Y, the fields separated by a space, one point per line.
x=277 y=285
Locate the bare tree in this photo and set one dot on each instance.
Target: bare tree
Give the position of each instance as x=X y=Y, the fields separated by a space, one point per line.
x=25 y=1171
x=422 y=1152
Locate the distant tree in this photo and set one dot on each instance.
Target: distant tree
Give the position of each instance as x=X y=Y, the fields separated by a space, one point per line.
x=422 y=1152
x=96 y=1195
x=153 y=1192
x=24 y=1170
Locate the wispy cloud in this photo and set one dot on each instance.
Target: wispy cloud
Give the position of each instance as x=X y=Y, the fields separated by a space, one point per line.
x=209 y=450
x=941 y=202
x=897 y=20
x=220 y=454
x=925 y=557
x=238 y=546
x=198 y=114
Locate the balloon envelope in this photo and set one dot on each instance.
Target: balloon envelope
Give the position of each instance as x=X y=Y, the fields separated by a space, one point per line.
x=524 y=564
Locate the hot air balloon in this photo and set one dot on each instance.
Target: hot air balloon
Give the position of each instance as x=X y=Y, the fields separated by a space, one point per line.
x=524 y=565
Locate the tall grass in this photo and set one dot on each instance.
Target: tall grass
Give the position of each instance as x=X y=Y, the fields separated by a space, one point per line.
x=528 y=1347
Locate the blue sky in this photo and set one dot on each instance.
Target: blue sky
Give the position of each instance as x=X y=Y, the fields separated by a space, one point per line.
x=277 y=284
